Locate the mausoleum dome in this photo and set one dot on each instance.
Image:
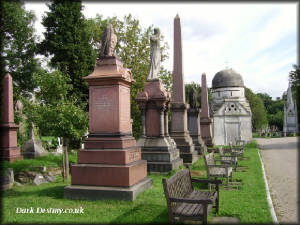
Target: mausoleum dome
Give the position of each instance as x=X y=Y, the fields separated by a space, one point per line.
x=227 y=78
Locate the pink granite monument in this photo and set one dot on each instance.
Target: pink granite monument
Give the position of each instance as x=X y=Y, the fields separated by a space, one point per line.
x=110 y=165
x=8 y=129
x=158 y=148
x=179 y=130
x=205 y=120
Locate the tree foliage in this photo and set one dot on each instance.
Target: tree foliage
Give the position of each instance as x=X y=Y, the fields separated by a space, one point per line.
x=53 y=112
x=18 y=46
x=68 y=42
x=133 y=47
x=259 y=115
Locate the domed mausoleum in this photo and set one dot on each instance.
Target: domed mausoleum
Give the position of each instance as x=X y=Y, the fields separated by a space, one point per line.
x=230 y=108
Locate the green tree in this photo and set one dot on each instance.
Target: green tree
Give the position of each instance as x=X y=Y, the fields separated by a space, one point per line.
x=18 y=47
x=274 y=109
x=259 y=115
x=68 y=42
x=133 y=47
x=54 y=112
x=188 y=88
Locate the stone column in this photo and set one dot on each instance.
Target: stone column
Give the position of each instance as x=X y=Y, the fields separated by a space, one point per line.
x=158 y=148
x=166 y=122
x=162 y=123
x=110 y=166
x=179 y=130
x=205 y=120
x=194 y=129
x=8 y=129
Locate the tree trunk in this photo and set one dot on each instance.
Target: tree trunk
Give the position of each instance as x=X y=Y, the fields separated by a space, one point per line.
x=65 y=172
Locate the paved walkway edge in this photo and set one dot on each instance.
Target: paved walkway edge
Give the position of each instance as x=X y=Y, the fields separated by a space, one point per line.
x=269 y=199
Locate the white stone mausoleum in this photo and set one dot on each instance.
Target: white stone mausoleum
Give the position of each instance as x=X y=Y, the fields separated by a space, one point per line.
x=230 y=108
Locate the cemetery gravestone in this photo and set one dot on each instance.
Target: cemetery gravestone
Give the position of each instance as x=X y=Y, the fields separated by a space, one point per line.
x=194 y=123
x=110 y=165
x=33 y=147
x=157 y=147
x=205 y=120
x=8 y=129
x=179 y=130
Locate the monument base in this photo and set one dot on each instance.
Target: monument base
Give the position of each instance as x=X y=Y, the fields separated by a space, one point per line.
x=161 y=154
x=11 y=154
x=200 y=146
x=185 y=144
x=84 y=192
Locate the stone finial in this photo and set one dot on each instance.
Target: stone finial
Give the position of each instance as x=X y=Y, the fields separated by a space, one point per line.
x=154 y=55
x=109 y=42
x=8 y=107
x=204 y=98
x=178 y=80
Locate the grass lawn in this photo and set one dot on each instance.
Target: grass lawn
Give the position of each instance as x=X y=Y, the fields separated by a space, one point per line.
x=248 y=204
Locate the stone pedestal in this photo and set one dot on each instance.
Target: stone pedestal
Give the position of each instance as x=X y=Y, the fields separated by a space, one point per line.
x=8 y=129
x=179 y=131
x=110 y=165
x=205 y=120
x=158 y=148
x=194 y=129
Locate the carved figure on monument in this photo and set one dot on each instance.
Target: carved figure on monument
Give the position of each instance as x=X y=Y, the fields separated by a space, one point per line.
x=193 y=98
x=109 y=42
x=154 y=55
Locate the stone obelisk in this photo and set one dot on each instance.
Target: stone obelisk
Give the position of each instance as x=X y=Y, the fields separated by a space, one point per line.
x=110 y=165
x=8 y=129
x=205 y=120
x=179 y=130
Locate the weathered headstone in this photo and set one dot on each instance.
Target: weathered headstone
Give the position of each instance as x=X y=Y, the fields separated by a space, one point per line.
x=110 y=166
x=39 y=179
x=33 y=147
x=290 y=116
x=157 y=147
x=8 y=129
x=179 y=129
x=194 y=123
x=205 y=120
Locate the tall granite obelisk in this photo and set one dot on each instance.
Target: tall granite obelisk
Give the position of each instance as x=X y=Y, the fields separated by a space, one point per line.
x=8 y=129
x=179 y=130
x=205 y=120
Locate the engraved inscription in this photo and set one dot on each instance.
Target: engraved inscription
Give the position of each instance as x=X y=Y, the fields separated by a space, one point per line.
x=135 y=155
x=103 y=103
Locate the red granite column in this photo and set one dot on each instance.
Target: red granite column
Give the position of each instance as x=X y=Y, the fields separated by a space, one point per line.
x=110 y=165
x=8 y=129
x=179 y=130
x=205 y=120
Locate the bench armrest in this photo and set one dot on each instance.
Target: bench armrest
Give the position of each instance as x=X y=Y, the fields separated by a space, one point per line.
x=194 y=201
x=206 y=181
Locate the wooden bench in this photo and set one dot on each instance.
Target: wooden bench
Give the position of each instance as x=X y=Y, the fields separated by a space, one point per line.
x=230 y=159
x=217 y=171
x=186 y=203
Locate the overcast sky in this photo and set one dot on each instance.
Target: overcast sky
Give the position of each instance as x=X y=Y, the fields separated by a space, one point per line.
x=258 y=40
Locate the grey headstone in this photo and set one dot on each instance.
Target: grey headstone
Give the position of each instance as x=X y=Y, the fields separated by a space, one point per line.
x=39 y=179
x=33 y=148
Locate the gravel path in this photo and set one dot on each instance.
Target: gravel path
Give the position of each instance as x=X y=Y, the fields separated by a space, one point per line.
x=280 y=158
